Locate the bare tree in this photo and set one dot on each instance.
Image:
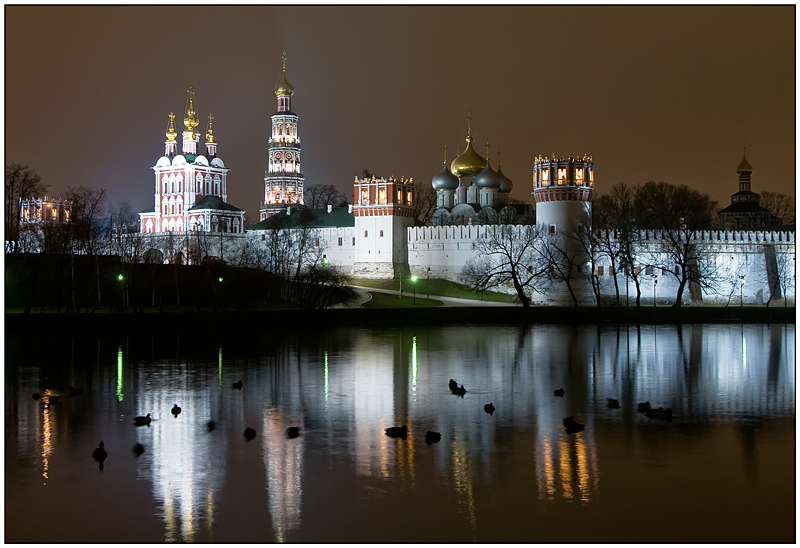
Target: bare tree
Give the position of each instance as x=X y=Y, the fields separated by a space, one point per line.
x=424 y=202
x=780 y=205
x=587 y=243
x=88 y=227
x=22 y=183
x=506 y=256
x=319 y=196
x=678 y=212
x=562 y=260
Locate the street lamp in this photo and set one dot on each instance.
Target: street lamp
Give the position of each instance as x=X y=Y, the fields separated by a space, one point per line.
x=414 y=283
x=655 y=283
x=427 y=283
x=325 y=260
x=741 y=291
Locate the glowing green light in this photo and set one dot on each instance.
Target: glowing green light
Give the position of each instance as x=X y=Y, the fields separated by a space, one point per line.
x=120 y=277
x=325 y=260
x=414 y=364
x=413 y=278
x=119 y=373
x=220 y=278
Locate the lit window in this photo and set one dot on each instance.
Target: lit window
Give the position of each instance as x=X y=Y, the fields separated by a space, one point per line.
x=382 y=196
x=591 y=177
x=399 y=196
x=545 y=177
x=579 y=176
x=409 y=197
x=562 y=175
x=364 y=196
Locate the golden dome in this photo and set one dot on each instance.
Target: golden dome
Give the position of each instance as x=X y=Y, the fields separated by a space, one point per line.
x=744 y=166
x=190 y=120
x=210 y=134
x=171 y=133
x=469 y=162
x=283 y=87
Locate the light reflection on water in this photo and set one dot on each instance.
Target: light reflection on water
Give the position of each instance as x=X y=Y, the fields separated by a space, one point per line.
x=343 y=389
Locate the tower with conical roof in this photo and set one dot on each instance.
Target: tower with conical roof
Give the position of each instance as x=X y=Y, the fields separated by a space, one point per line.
x=283 y=178
x=745 y=212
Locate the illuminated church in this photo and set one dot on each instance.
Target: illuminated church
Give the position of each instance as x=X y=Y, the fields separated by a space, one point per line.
x=191 y=189
x=470 y=191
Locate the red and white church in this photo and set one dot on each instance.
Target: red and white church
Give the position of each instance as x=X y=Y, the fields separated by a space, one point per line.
x=191 y=189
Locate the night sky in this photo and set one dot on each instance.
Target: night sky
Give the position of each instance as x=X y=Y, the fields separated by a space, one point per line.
x=668 y=93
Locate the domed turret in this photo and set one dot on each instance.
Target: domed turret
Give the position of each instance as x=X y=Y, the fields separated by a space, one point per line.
x=744 y=166
x=445 y=180
x=469 y=162
x=283 y=87
x=505 y=183
x=487 y=178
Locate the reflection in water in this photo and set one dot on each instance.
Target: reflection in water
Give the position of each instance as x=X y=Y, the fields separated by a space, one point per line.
x=463 y=475
x=187 y=463
x=283 y=461
x=120 y=376
x=344 y=396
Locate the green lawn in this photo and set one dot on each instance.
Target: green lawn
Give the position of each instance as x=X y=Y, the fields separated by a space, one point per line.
x=384 y=300
x=442 y=288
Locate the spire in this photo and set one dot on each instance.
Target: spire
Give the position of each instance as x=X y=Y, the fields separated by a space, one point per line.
x=210 y=135
x=211 y=145
x=171 y=144
x=469 y=126
x=487 y=152
x=744 y=166
x=445 y=154
x=190 y=122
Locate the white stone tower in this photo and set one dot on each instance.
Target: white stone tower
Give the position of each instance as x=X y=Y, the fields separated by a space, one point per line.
x=383 y=210
x=562 y=189
x=283 y=179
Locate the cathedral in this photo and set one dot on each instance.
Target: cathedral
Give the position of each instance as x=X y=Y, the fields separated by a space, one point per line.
x=191 y=189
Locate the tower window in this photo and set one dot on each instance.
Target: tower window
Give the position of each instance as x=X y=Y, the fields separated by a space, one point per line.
x=381 y=234
x=340 y=242
x=552 y=229
x=545 y=177
x=599 y=270
x=366 y=233
x=562 y=175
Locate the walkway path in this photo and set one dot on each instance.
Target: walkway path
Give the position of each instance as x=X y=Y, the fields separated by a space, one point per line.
x=363 y=296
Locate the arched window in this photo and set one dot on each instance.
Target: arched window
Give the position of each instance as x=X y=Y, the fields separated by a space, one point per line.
x=216 y=186
x=165 y=181
x=208 y=185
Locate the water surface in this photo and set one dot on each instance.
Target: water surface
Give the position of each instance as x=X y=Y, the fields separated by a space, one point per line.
x=723 y=470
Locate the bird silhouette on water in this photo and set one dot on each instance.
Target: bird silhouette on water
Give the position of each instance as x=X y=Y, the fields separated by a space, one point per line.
x=612 y=403
x=176 y=410
x=138 y=449
x=453 y=385
x=489 y=408
x=36 y=396
x=292 y=432
x=100 y=455
x=643 y=407
x=397 y=431
x=249 y=433
x=53 y=400
x=660 y=414
x=460 y=391
x=559 y=392
x=142 y=421
x=432 y=437
x=210 y=425
x=237 y=385
x=572 y=425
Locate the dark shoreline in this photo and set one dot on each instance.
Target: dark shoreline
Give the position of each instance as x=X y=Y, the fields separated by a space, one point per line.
x=365 y=317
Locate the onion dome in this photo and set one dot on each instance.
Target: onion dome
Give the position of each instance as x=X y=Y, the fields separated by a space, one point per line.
x=505 y=183
x=445 y=180
x=210 y=134
x=283 y=87
x=190 y=120
x=487 y=178
x=469 y=162
x=744 y=166
x=171 y=133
